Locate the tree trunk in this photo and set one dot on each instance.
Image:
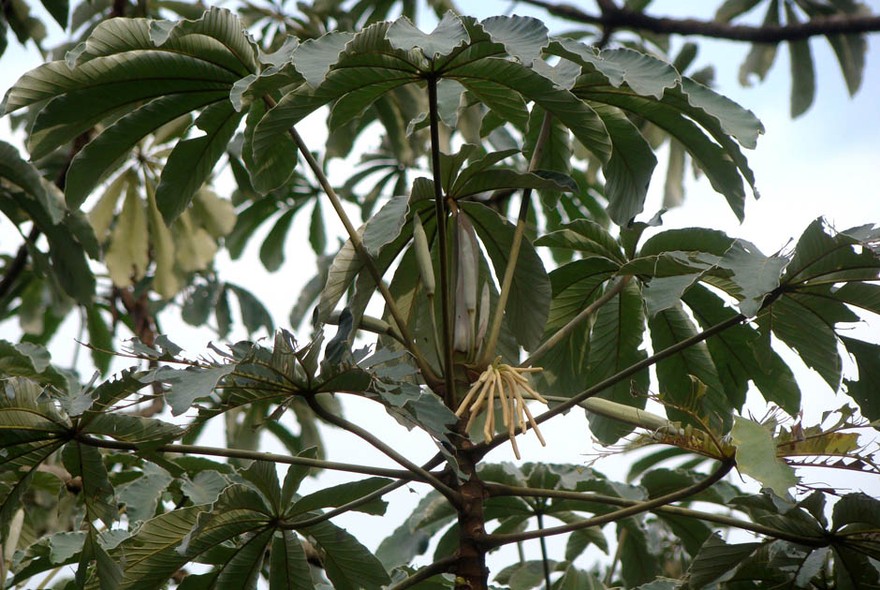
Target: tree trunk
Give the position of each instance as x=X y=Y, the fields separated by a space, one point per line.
x=471 y=571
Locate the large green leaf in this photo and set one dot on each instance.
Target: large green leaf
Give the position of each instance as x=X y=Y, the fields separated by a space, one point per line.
x=756 y=456
x=348 y=564
x=388 y=226
x=806 y=324
x=629 y=171
x=529 y=302
x=18 y=173
x=689 y=378
x=762 y=55
x=717 y=558
x=684 y=108
x=585 y=236
x=367 y=68
x=615 y=345
x=87 y=463
x=342 y=494
x=195 y=62
x=288 y=568
x=101 y=156
x=151 y=556
x=192 y=160
x=411 y=538
x=189 y=384
x=864 y=389
x=575 y=285
x=29 y=360
x=69 y=236
x=741 y=355
x=582 y=120
x=803 y=76
x=103 y=77
x=141 y=496
x=446 y=36
x=523 y=37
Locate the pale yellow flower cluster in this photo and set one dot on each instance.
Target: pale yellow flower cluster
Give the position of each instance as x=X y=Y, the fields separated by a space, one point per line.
x=507 y=384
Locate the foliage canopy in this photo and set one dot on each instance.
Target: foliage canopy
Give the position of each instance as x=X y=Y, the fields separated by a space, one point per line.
x=504 y=262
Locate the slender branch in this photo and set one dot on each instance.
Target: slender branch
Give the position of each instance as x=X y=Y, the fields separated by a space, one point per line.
x=621 y=375
x=441 y=566
x=119 y=445
x=349 y=506
x=358 y=244
x=507 y=281
x=576 y=320
x=496 y=489
x=623 y=18
x=493 y=541
x=373 y=440
x=443 y=246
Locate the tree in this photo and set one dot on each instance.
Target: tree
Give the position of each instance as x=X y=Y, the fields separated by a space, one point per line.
x=506 y=253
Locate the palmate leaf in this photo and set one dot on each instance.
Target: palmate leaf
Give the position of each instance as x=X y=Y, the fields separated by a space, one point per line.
x=864 y=390
x=103 y=79
x=30 y=432
x=806 y=312
x=151 y=556
x=368 y=66
x=630 y=168
x=191 y=161
x=411 y=538
x=635 y=83
x=582 y=120
x=585 y=236
x=803 y=75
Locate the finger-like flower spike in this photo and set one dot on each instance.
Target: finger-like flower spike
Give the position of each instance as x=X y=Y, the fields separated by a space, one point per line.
x=508 y=385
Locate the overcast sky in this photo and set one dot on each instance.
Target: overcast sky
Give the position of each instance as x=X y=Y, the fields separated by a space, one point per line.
x=827 y=162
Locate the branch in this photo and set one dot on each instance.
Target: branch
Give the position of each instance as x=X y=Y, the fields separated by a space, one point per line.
x=371 y=438
x=405 y=475
x=493 y=541
x=614 y=17
x=496 y=489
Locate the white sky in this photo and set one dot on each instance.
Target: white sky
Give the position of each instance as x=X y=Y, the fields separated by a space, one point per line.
x=827 y=162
